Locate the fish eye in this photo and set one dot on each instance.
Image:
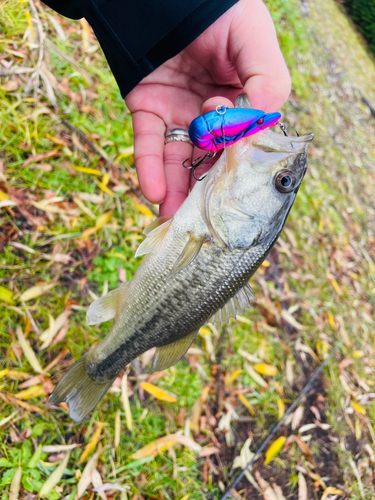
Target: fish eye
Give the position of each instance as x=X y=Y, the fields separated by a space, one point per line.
x=285 y=181
x=260 y=121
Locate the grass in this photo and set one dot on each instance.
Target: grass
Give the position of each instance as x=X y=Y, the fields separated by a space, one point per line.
x=84 y=229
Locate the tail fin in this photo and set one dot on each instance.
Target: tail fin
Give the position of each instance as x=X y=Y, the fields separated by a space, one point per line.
x=80 y=391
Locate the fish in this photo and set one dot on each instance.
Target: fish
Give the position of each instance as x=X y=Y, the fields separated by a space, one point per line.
x=197 y=266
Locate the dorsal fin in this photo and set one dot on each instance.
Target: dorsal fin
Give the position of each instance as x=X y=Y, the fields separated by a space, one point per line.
x=156 y=223
x=154 y=238
x=105 y=308
x=236 y=305
x=168 y=355
x=188 y=254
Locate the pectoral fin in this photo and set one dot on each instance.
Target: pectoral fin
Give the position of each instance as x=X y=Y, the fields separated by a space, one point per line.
x=105 y=308
x=168 y=355
x=156 y=223
x=188 y=254
x=154 y=238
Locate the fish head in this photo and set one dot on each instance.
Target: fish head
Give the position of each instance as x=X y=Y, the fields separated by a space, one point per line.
x=254 y=186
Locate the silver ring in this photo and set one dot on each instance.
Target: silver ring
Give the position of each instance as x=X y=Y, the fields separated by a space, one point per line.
x=177 y=134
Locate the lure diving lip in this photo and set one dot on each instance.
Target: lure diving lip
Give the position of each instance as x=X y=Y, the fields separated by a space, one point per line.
x=224 y=126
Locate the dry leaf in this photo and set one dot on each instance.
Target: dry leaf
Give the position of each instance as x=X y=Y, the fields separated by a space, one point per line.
x=267 y=490
x=281 y=407
x=358 y=408
x=206 y=452
x=92 y=443
x=36 y=291
x=331 y=490
x=28 y=352
x=255 y=376
x=41 y=157
x=97 y=482
x=158 y=393
x=15 y=484
x=246 y=403
x=274 y=449
x=265 y=369
x=297 y=417
x=6 y=295
x=10 y=86
x=32 y=392
x=58 y=448
x=302 y=487
x=125 y=402
x=144 y=210
x=164 y=443
x=86 y=477
x=55 y=477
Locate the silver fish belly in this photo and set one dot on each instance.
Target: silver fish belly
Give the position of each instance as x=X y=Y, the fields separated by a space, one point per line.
x=197 y=266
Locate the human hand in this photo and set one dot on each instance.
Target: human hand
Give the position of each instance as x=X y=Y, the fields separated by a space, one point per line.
x=238 y=53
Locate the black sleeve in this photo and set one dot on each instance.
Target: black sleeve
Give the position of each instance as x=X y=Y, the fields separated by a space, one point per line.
x=138 y=36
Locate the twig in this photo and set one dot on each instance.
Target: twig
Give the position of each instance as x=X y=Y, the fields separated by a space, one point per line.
x=280 y=423
x=98 y=151
x=367 y=103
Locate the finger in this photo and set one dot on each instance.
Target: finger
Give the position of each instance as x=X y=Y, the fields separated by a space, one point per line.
x=148 y=154
x=177 y=177
x=256 y=54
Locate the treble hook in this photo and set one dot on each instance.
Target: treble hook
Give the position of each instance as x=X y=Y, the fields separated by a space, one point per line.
x=197 y=163
x=283 y=128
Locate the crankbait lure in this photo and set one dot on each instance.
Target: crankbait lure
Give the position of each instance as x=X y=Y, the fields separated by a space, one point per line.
x=223 y=127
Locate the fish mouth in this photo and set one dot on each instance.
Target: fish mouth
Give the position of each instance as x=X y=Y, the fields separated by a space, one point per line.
x=270 y=120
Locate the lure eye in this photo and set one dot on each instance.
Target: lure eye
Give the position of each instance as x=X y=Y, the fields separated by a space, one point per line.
x=260 y=121
x=285 y=181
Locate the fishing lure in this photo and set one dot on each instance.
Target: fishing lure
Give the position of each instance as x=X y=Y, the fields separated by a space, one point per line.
x=224 y=126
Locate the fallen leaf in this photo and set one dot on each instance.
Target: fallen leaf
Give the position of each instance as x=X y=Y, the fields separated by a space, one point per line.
x=6 y=295
x=55 y=477
x=57 y=448
x=164 y=443
x=358 y=408
x=246 y=403
x=87 y=170
x=41 y=157
x=331 y=490
x=274 y=449
x=15 y=484
x=36 y=291
x=297 y=417
x=158 y=393
x=206 y=452
x=125 y=402
x=281 y=407
x=28 y=351
x=255 y=376
x=302 y=487
x=86 y=477
x=265 y=369
x=92 y=443
x=10 y=86
x=32 y=392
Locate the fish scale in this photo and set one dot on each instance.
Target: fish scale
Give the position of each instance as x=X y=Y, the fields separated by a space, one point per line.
x=195 y=263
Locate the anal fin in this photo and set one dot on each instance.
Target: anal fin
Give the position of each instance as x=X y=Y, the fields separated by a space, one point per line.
x=169 y=354
x=105 y=308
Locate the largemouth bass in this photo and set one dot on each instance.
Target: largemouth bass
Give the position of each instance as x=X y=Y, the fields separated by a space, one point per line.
x=198 y=264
